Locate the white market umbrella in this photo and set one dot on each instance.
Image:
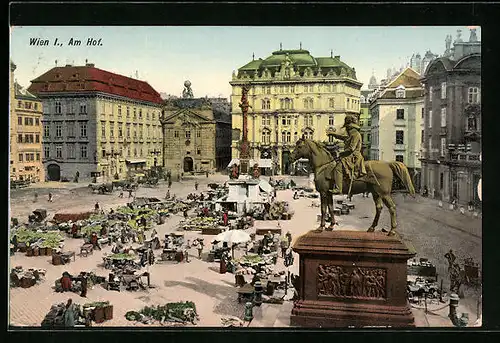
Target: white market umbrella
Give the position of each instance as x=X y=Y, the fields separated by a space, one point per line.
x=233 y=237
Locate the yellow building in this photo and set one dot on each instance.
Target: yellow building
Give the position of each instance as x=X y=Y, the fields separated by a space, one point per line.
x=98 y=123
x=25 y=133
x=292 y=94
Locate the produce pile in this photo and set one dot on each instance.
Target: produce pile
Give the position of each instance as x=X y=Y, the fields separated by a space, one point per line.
x=96 y=304
x=198 y=223
x=41 y=239
x=180 y=312
x=74 y=217
x=121 y=256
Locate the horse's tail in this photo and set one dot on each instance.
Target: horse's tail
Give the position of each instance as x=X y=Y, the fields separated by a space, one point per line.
x=401 y=171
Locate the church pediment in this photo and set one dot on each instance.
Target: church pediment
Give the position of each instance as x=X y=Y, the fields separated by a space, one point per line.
x=186 y=117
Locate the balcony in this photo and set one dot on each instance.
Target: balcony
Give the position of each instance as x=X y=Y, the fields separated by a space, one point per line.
x=443 y=131
x=465 y=157
x=399 y=147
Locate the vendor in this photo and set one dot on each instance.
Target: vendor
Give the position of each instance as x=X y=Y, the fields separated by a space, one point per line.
x=74 y=230
x=14 y=242
x=66 y=283
x=289 y=237
x=95 y=241
x=104 y=230
x=225 y=217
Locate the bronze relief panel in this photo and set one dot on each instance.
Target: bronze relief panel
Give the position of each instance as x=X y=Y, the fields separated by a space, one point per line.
x=351 y=282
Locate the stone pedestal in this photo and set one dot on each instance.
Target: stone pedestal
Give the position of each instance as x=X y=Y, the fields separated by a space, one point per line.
x=352 y=279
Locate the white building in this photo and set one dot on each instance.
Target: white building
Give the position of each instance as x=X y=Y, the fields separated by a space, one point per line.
x=396 y=111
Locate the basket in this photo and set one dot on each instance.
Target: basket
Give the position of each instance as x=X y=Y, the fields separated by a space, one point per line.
x=43 y=251
x=29 y=252
x=48 y=251
x=36 y=251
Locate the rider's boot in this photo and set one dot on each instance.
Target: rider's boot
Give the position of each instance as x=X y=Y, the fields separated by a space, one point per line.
x=337 y=177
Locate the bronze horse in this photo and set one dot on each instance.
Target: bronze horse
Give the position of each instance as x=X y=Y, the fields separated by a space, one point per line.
x=378 y=182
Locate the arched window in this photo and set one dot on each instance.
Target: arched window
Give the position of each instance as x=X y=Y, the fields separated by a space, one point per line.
x=306 y=103
x=331 y=120
x=331 y=103
x=295 y=136
x=308 y=134
x=288 y=137
x=401 y=92
x=311 y=103
x=268 y=104
x=263 y=104
x=473 y=95
x=282 y=103
x=266 y=137
x=471 y=123
x=283 y=136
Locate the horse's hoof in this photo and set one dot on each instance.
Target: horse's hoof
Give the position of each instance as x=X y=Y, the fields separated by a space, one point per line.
x=372 y=229
x=391 y=233
x=384 y=230
x=320 y=229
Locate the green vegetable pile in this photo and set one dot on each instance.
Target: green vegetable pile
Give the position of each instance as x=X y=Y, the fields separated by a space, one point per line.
x=97 y=304
x=170 y=312
x=50 y=239
x=90 y=229
x=251 y=259
x=122 y=256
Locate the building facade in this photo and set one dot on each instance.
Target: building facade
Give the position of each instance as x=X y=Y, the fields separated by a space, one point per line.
x=25 y=133
x=97 y=123
x=451 y=166
x=197 y=135
x=365 y=122
x=396 y=117
x=292 y=94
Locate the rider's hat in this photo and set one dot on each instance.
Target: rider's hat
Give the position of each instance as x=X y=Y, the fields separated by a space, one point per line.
x=349 y=120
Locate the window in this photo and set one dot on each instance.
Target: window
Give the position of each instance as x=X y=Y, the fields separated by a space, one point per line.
x=128 y=130
x=135 y=152
x=119 y=111
x=128 y=112
x=423 y=112
x=83 y=109
x=288 y=137
x=443 y=146
x=103 y=152
x=308 y=103
x=58 y=130
x=430 y=118
x=400 y=92
x=400 y=137
x=400 y=158
x=331 y=138
x=430 y=94
x=20 y=157
x=473 y=95
x=266 y=137
x=331 y=120
x=443 y=117
x=83 y=151
x=135 y=114
x=331 y=102
x=46 y=152
x=311 y=88
x=308 y=135
x=188 y=134
x=348 y=103
x=441 y=180
x=112 y=129
x=422 y=137
x=471 y=124
x=400 y=113
x=443 y=90
x=292 y=89
x=58 y=151
x=83 y=130
x=26 y=121
x=266 y=104
x=20 y=104
x=19 y=120
x=295 y=137
x=198 y=152
x=176 y=134
x=120 y=130
x=153 y=115
x=37 y=154
x=58 y=107
x=19 y=138
x=369 y=137
x=140 y=113
x=37 y=138
x=140 y=131
x=283 y=136
x=71 y=150
x=198 y=133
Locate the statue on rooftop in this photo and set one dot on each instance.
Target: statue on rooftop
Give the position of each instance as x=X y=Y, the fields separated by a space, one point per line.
x=187 y=93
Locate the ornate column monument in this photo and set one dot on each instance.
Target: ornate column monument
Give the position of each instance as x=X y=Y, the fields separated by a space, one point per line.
x=244 y=146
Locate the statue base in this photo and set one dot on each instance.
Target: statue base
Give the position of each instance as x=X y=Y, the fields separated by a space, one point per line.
x=352 y=279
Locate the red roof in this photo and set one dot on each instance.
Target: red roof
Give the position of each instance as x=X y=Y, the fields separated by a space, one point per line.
x=80 y=79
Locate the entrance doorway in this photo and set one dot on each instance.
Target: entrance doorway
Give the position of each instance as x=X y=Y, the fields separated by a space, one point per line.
x=188 y=164
x=54 y=172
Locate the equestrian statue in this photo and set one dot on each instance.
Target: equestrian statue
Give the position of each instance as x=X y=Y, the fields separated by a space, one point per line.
x=349 y=174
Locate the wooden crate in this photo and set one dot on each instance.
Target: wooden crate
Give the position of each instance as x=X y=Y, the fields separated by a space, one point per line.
x=29 y=252
x=108 y=312
x=211 y=231
x=262 y=232
x=98 y=315
x=43 y=251
x=56 y=259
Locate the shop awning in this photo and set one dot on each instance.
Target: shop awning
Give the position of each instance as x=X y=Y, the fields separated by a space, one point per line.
x=135 y=161
x=265 y=186
x=265 y=163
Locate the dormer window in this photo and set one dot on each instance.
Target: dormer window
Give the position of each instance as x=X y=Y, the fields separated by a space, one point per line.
x=400 y=92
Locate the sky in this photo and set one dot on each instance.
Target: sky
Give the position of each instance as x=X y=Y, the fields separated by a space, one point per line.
x=167 y=56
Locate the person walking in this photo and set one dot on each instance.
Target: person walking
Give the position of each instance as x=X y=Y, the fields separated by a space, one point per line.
x=225 y=218
x=36 y=197
x=96 y=206
x=50 y=197
x=196 y=186
x=200 y=248
x=169 y=183
x=186 y=255
x=121 y=194
x=69 y=315
x=83 y=294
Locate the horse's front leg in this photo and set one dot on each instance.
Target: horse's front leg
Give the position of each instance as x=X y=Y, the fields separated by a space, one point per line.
x=331 y=208
x=323 y=211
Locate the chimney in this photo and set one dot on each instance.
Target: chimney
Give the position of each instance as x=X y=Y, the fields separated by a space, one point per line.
x=337 y=57
x=91 y=65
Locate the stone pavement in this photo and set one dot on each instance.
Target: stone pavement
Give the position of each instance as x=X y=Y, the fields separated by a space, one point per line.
x=214 y=294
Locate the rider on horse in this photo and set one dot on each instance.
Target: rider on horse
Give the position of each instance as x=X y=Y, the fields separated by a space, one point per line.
x=350 y=160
